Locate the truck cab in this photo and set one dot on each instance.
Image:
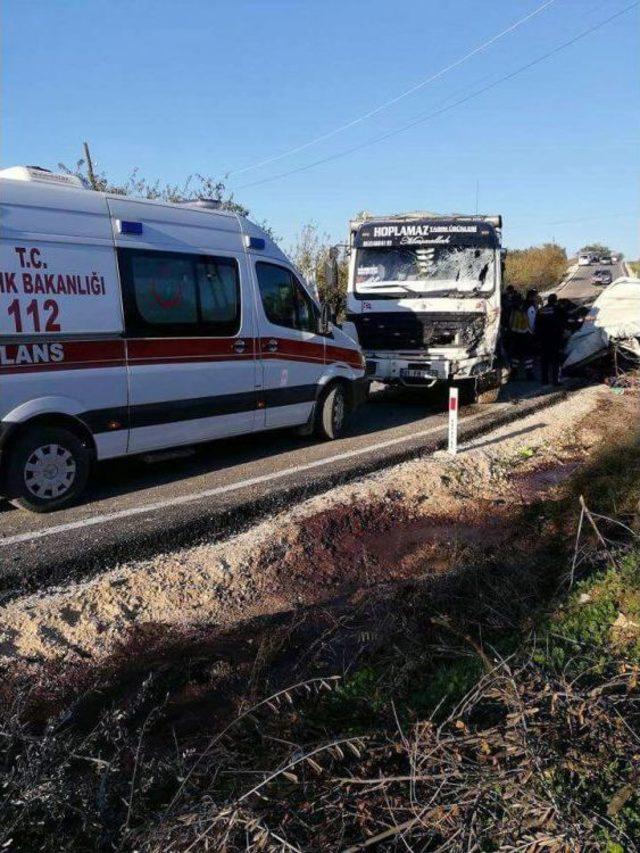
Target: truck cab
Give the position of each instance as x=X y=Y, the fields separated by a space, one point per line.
x=424 y=299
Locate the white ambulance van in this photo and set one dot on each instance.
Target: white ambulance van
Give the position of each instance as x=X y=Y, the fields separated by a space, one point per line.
x=128 y=326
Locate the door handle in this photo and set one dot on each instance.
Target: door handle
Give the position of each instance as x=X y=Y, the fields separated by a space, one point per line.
x=239 y=346
x=271 y=345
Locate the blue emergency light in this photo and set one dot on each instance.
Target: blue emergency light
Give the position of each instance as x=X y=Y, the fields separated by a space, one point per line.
x=127 y=227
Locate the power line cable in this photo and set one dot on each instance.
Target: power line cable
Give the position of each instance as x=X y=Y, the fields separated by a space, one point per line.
x=422 y=118
x=519 y=224
x=420 y=85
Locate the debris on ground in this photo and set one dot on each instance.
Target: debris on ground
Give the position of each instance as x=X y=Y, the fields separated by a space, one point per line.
x=612 y=327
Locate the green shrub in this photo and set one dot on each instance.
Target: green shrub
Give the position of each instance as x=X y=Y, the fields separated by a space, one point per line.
x=539 y=267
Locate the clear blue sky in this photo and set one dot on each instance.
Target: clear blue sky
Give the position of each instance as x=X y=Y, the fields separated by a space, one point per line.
x=175 y=87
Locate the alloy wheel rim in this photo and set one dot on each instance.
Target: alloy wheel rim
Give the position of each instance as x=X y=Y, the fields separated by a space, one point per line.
x=50 y=471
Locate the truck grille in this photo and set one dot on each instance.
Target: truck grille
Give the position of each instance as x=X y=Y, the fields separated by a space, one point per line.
x=415 y=331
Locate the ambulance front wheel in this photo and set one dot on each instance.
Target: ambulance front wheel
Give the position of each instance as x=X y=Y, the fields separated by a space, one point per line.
x=47 y=469
x=332 y=413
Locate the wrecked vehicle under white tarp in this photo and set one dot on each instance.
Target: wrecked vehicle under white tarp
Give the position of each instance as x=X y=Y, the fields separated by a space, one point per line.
x=613 y=321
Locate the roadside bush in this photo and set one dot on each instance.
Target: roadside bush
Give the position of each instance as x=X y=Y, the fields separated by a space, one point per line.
x=540 y=267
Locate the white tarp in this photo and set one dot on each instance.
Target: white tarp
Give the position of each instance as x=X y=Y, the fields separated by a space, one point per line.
x=614 y=318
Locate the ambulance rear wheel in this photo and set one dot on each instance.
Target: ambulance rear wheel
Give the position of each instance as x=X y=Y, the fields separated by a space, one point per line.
x=332 y=413
x=47 y=469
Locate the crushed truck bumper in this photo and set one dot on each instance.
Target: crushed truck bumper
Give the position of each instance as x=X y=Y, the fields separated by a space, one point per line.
x=425 y=369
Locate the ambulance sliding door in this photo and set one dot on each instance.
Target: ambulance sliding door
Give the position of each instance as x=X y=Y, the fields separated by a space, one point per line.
x=191 y=364
x=189 y=324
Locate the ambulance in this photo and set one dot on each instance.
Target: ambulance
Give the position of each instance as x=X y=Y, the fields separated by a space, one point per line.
x=130 y=326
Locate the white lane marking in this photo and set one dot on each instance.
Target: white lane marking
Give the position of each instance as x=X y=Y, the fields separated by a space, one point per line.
x=221 y=490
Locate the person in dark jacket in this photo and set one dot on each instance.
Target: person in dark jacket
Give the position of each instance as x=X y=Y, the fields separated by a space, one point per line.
x=551 y=323
x=510 y=298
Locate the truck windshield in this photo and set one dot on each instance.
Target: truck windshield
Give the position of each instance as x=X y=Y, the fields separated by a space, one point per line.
x=425 y=271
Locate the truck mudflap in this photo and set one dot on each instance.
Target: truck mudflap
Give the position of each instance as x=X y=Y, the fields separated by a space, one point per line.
x=360 y=388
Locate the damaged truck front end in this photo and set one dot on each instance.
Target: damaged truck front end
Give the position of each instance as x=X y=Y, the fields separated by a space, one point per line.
x=424 y=299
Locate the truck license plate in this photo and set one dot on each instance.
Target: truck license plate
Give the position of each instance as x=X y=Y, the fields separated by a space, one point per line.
x=414 y=373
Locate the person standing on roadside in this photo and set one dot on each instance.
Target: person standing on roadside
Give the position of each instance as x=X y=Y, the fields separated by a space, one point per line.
x=551 y=323
x=520 y=339
x=532 y=303
x=510 y=299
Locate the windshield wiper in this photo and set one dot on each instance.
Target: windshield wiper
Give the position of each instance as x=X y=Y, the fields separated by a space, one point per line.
x=387 y=284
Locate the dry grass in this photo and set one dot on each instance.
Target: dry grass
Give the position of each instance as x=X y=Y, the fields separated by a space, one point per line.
x=492 y=708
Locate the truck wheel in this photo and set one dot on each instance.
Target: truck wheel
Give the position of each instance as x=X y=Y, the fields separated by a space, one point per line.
x=467 y=392
x=489 y=396
x=332 y=413
x=47 y=469
x=490 y=392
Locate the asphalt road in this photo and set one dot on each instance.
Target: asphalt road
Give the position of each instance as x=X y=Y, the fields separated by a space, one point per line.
x=579 y=286
x=136 y=507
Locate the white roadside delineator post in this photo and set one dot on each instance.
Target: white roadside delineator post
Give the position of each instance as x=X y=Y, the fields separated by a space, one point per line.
x=453 y=421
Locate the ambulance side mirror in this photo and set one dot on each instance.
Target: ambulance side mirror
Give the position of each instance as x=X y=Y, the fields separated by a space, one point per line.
x=325 y=319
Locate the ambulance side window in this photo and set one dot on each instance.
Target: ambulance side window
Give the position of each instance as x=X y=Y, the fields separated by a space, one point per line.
x=285 y=301
x=306 y=310
x=219 y=293
x=276 y=292
x=173 y=294
x=164 y=289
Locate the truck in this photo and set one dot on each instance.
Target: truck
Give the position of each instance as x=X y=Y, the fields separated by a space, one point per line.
x=423 y=300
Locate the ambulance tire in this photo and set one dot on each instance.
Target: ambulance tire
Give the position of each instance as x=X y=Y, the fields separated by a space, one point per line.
x=332 y=411
x=64 y=479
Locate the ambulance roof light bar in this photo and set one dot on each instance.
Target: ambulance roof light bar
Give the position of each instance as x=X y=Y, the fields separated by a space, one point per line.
x=201 y=203
x=36 y=174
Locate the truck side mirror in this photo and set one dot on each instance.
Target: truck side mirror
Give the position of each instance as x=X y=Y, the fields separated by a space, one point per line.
x=325 y=319
x=331 y=270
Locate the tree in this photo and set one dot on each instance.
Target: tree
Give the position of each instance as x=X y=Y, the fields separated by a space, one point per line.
x=595 y=249
x=310 y=253
x=538 y=267
x=193 y=187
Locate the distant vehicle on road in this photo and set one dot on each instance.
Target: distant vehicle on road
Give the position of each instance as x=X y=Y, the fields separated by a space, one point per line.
x=606 y=259
x=584 y=260
x=602 y=277
x=423 y=298
x=129 y=326
x=595 y=259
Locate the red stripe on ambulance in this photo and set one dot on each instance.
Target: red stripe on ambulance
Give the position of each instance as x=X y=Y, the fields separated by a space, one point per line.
x=60 y=355
x=74 y=355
